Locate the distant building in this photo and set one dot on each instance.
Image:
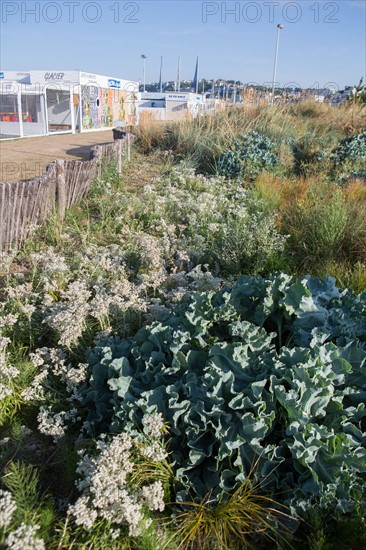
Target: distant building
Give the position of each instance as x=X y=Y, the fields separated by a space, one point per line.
x=353 y=93
x=173 y=105
x=47 y=102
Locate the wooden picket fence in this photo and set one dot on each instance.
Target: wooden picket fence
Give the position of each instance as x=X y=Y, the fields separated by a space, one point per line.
x=26 y=204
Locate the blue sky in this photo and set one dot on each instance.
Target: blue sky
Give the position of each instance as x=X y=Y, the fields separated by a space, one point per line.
x=323 y=42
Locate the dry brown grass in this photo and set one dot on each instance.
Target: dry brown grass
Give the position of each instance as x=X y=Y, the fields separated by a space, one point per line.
x=326 y=223
x=347 y=119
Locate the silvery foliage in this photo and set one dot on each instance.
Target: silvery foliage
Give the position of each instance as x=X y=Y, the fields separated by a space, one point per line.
x=271 y=370
x=349 y=158
x=353 y=147
x=248 y=156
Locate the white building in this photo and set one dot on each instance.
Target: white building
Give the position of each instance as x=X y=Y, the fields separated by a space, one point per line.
x=46 y=102
x=173 y=105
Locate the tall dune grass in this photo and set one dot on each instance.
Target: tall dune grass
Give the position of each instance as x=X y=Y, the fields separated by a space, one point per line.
x=202 y=140
x=326 y=224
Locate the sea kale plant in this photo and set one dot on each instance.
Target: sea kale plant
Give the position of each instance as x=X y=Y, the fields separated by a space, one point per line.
x=349 y=158
x=248 y=156
x=271 y=372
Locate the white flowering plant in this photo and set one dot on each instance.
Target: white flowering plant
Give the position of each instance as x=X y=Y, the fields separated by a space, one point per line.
x=119 y=481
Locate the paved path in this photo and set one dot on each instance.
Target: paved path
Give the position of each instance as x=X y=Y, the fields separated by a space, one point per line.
x=26 y=158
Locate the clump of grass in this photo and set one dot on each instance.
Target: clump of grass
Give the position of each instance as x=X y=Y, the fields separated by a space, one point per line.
x=347 y=275
x=345 y=119
x=326 y=224
x=229 y=522
x=355 y=197
x=317 y=539
x=148 y=133
x=316 y=228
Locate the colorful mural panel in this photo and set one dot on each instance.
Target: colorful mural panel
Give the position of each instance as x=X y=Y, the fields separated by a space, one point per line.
x=105 y=108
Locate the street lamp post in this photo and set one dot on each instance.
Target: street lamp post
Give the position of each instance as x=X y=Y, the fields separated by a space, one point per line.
x=144 y=57
x=279 y=27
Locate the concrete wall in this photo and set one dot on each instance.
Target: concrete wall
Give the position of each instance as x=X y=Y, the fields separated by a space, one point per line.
x=176 y=110
x=153 y=113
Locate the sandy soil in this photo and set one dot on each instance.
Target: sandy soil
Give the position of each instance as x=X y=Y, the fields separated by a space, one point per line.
x=26 y=158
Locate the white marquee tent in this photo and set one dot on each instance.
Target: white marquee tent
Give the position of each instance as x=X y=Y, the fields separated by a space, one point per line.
x=47 y=102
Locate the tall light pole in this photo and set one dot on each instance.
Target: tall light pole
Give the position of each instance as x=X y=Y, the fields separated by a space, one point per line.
x=279 y=27
x=144 y=57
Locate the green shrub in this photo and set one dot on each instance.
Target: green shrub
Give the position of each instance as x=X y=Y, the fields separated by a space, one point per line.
x=310 y=154
x=318 y=230
x=250 y=244
x=271 y=371
x=249 y=155
x=349 y=158
x=353 y=148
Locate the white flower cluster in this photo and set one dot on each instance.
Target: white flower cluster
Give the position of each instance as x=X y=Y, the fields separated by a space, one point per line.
x=7 y=508
x=110 y=258
x=7 y=372
x=203 y=280
x=54 y=424
x=153 y=263
x=35 y=391
x=24 y=538
x=8 y=320
x=106 y=491
x=4 y=342
x=153 y=496
x=23 y=297
x=52 y=361
x=111 y=301
x=28 y=309
x=6 y=259
x=49 y=261
x=102 y=299
x=83 y=512
x=153 y=424
x=69 y=316
x=155 y=451
x=74 y=376
x=20 y=292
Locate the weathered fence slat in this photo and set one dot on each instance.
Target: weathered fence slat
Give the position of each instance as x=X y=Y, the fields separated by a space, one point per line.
x=61 y=194
x=2 y=225
x=20 y=207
